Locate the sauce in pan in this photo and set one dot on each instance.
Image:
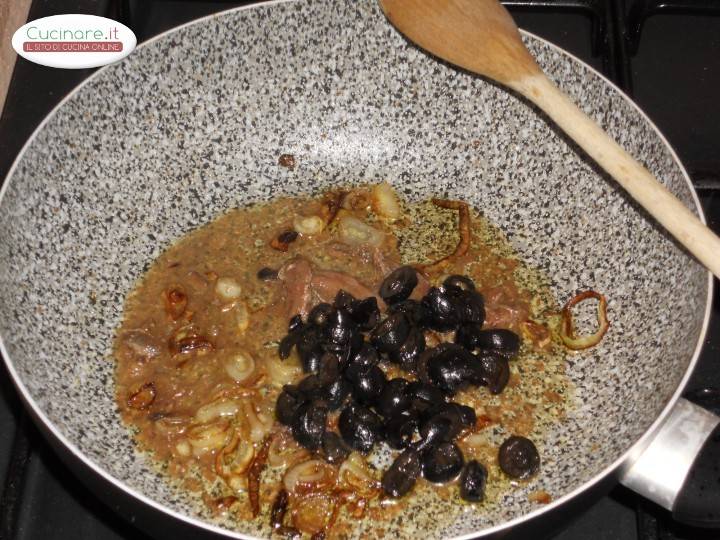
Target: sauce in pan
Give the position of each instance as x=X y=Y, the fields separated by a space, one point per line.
x=199 y=371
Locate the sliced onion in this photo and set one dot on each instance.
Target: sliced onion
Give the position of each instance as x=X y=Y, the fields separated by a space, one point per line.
x=283 y=372
x=238 y=483
x=143 y=397
x=311 y=475
x=355 y=476
x=464 y=230
x=240 y=366
x=207 y=437
x=221 y=408
x=260 y=424
x=228 y=288
x=356 y=233
x=242 y=315
x=385 y=201
x=312 y=513
x=308 y=225
x=183 y=448
x=236 y=457
x=285 y=451
x=567 y=328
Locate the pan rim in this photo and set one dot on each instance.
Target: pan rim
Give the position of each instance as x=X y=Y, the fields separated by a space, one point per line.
x=636 y=448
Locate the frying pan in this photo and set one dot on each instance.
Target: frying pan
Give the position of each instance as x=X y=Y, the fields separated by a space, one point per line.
x=192 y=123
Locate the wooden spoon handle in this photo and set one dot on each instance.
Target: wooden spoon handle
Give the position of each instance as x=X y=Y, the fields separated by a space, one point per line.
x=636 y=179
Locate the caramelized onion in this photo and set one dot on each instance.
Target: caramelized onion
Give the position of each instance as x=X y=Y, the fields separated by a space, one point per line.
x=284 y=450
x=240 y=366
x=256 y=469
x=354 y=475
x=332 y=201
x=236 y=457
x=277 y=516
x=143 y=397
x=384 y=201
x=309 y=476
x=207 y=437
x=282 y=372
x=464 y=229
x=220 y=408
x=175 y=302
x=567 y=328
x=308 y=225
x=355 y=232
x=312 y=513
x=260 y=424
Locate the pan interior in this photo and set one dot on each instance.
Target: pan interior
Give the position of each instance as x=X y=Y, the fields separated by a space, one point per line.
x=192 y=124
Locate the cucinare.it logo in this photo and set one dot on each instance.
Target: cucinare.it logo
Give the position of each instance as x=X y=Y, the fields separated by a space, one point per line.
x=74 y=41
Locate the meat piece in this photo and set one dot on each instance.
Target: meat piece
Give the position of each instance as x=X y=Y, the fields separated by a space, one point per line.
x=504 y=309
x=326 y=284
x=297 y=276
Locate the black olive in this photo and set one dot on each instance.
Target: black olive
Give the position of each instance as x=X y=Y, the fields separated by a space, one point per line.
x=328 y=369
x=311 y=360
x=518 y=457
x=367 y=356
x=459 y=416
x=343 y=299
x=369 y=385
x=334 y=450
x=467 y=335
x=400 y=429
x=472 y=481
x=442 y=463
x=402 y=474
x=394 y=398
x=442 y=314
x=467 y=414
x=470 y=307
x=442 y=419
x=458 y=283
x=288 y=403
x=267 y=274
x=338 y=330
x=398 y=285
x=453 y=369
x=296 y=323
x=425 y=393
x=436 y=430
x=390 y=334
x=365 y=313
x=319 y=314
x=312 y=386
x=360 y=427
x=286 y=345
x=309 y=425
x=309 y=339
x=336 y=393
x=500 y=341
x=495 y=372
x=408 y=353
x=413 y=310
x=287 y=237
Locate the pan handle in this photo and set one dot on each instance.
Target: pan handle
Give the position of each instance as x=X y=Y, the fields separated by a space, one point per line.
x=680 y=468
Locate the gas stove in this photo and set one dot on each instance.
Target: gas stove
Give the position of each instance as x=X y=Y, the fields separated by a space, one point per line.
x=663 y=53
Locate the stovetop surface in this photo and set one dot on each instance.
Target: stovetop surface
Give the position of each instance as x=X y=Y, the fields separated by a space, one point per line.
x=671 y=68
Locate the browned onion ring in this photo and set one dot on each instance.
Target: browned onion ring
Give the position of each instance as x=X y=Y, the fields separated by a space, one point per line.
x=567 y=329
x=464 y=229
x=256 y=468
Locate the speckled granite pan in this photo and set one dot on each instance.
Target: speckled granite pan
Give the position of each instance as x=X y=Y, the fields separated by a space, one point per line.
x=192 y=123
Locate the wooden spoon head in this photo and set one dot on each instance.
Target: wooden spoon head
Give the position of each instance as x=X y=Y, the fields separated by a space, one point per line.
x=478 y=35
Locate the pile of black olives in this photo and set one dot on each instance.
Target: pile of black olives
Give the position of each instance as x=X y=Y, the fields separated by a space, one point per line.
x=341 y=346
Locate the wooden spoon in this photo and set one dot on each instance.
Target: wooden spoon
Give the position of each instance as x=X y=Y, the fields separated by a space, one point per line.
x=481 y=36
